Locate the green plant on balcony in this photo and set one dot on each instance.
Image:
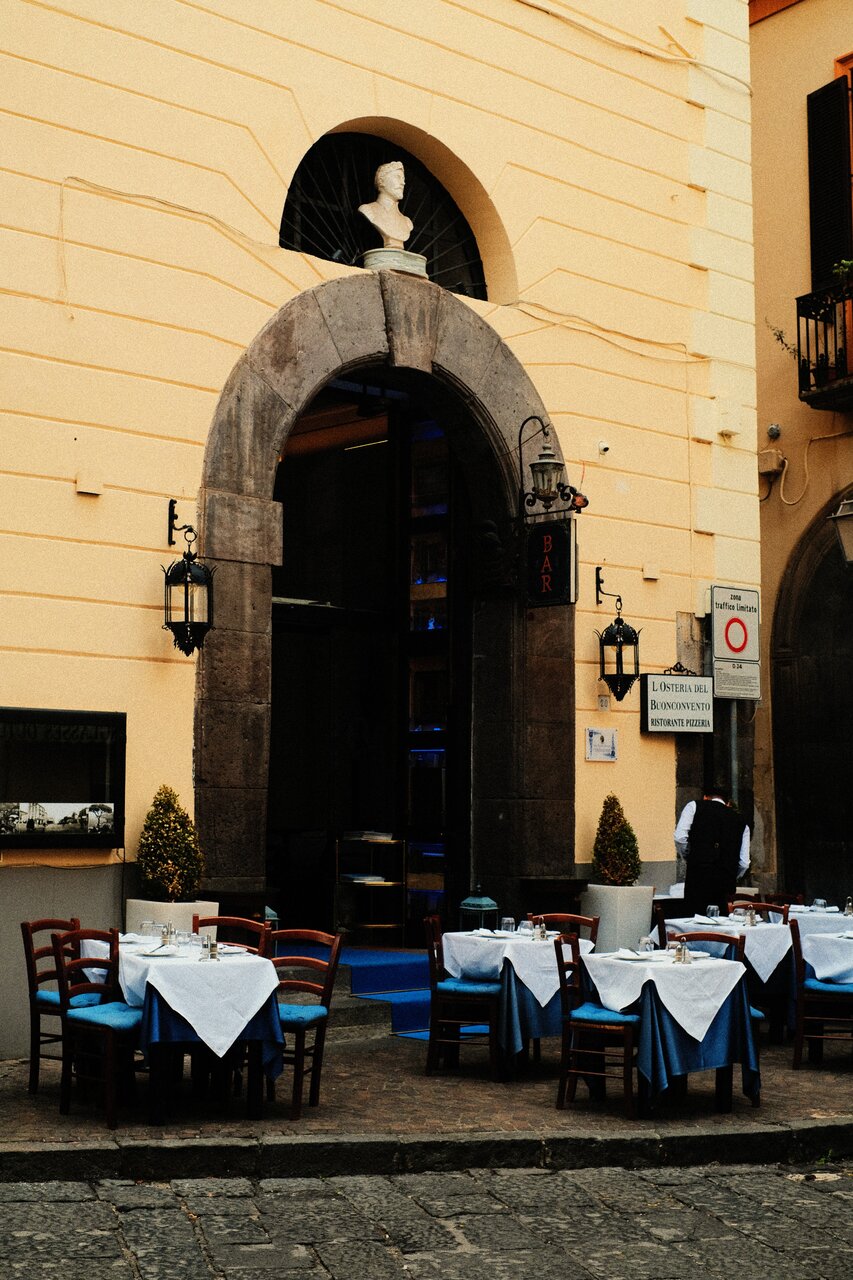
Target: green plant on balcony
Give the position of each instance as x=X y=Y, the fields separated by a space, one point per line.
x=615 y=853
x=169 y=859
x=843 y=271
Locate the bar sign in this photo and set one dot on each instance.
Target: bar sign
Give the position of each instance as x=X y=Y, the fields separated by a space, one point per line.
x=551 y=551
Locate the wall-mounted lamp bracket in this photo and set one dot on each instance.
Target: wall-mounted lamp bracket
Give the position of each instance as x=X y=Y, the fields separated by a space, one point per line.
x=600 y=592
x=174 y=527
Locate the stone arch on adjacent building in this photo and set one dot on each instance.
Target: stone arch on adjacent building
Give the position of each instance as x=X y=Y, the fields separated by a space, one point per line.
x=812 y=708
x=523 y=705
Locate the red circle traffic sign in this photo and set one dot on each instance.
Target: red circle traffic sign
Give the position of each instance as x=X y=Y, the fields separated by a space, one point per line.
x=744 y=634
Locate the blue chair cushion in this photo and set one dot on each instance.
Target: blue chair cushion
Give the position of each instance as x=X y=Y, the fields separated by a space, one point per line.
x=464 y=987
x=828 y=988
x=117 y=1016
x=301 y=1015
x=51 y=999
x=597 y=1013
x=756 y=1014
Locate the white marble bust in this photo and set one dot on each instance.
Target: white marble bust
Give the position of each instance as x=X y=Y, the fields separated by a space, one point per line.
x=384 y=212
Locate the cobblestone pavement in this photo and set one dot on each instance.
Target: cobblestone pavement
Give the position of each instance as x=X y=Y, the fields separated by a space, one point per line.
x=589 y=1224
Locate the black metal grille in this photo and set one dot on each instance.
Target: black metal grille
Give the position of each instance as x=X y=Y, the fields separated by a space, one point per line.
x=336 y=176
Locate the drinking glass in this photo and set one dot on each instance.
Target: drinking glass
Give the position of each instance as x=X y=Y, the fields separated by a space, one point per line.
x=182 y=940
x=645 y=944
x=819 y=904
x=525 y=929
x=712 y=911
x=147 y=929
x=507 y=924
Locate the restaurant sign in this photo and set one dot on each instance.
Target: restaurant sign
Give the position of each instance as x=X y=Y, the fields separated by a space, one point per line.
x=551 y=563
x=676 y=704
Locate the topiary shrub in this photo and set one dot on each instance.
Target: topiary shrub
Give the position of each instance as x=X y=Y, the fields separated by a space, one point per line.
x=615 y=854
x=169 y=860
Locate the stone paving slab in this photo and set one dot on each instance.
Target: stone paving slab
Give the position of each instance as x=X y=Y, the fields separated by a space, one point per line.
x=379 y=1113
x=475 y=1224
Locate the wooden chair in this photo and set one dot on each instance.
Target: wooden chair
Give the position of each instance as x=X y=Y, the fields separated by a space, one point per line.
x=764 y=908
x=236 y=930
x=596 y=1042
x=42 y=993
x=98 y=1040
x=309 y=976
x=784 y=897
x=566 y=922
x=824 y=1009
x=458 y=1008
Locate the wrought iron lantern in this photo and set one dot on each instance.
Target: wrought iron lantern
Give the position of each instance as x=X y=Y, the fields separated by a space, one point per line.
x=843 y=520
x=478 y=911
x=188 y=603
x=618 y=648
x=548 y=488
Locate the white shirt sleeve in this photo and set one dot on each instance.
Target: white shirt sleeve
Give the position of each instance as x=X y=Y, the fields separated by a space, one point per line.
x=743 y=862
x=682 y=830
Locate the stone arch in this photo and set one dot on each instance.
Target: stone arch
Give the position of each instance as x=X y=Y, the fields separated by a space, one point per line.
x=812 y=705
x=406 y=323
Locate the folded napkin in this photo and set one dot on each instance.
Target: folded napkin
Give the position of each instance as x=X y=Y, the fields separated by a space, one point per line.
x=625 y=953
x=484 y=933
x=797 y=906
x=135 y=938
x=830 y=908
x=706 y=920
x=167 y=950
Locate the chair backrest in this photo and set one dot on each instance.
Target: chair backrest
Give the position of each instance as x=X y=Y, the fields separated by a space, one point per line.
x=41 y=966
x=659 y=923
x=236 y=930
x=566 y=922
x=569 y=970
x=78 y=974
x=799 y=963
x=294 y=969
x=435 y=950
x=785 y=897
x=763 y=908
x=736 y=941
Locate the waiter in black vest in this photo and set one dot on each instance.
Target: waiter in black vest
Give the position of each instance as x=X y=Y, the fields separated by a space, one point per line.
x=714 y=841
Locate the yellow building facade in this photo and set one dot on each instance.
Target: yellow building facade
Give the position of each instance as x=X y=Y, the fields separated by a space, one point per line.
x=802 y=55
x=599 y=154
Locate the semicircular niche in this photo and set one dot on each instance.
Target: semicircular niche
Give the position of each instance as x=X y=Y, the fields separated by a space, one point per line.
x=321 y=211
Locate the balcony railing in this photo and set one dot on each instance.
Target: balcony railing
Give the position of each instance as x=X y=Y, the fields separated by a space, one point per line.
x=824 y=330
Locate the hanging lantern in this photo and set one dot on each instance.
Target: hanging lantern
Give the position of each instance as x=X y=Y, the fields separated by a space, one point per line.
x=188 y=605
x=618 y=654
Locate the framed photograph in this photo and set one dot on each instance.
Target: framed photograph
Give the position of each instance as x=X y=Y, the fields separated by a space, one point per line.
x=61 y=778
x=601 y=744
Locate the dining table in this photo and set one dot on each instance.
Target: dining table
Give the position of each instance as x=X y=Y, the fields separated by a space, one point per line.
x=527 y=971
x=829 y=957
x=188 y=1000
x=819 y=920
x=693 y=1017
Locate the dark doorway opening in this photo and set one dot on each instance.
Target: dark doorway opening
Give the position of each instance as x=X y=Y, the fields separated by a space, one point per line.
x=812 y=717
x=369 y=788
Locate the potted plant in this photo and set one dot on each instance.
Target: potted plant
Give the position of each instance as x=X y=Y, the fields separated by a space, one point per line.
x=170 y=865
x=624 y=907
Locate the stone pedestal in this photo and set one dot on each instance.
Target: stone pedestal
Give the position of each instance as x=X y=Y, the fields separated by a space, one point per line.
x=395 y=260
x=625 y=911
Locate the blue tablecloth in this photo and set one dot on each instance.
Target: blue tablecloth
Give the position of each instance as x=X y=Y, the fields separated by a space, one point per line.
x=665 y=1050
x=161 y=1025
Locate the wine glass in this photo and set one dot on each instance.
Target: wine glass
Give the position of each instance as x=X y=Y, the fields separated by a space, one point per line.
x=712 y=911
x=507 y=924
x=819 y=904
x=525 y=930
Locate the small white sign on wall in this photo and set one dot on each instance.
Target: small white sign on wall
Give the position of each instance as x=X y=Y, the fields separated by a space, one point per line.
x=601 y=744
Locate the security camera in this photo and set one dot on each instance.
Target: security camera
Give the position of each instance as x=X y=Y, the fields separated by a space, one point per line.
x=774 y=431
x=603 y=446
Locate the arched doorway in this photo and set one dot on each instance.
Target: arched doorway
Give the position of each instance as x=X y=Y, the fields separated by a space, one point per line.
x=428 y=346
x=812 y=664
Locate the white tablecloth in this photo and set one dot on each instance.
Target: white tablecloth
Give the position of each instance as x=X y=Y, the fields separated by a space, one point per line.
x=819 y=921
x=830 y=957
x=217 y=997
x=472 y=955
x=766 y=944
x=693 y=993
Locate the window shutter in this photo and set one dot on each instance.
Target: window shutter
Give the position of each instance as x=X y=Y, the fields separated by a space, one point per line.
x=830 y=195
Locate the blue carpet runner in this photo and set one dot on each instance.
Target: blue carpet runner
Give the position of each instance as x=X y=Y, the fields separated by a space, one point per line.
x=397 y=978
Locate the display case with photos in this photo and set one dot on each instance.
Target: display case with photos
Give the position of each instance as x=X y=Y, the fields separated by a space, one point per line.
x=61 y=778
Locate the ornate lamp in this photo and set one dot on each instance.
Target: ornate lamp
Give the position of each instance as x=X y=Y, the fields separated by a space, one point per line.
x=188 y=603
x=548 y=488
x=618 y=648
